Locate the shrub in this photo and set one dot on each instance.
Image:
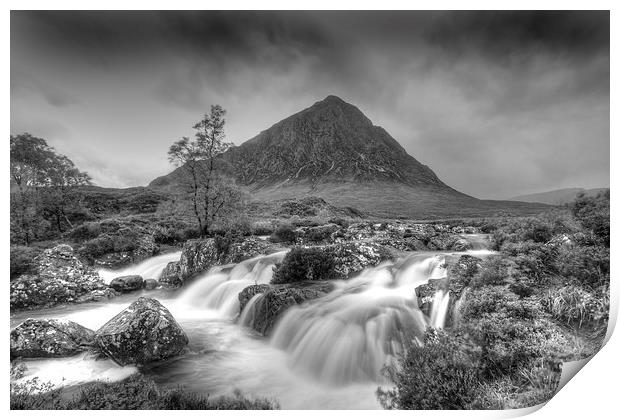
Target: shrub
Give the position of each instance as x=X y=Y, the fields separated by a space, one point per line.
x=284 y=233
x=303 y=264
x=440 y=375
x=593 y=213
x=22 y=260
x=586 y=266
x=495 y=270
x=134 y=393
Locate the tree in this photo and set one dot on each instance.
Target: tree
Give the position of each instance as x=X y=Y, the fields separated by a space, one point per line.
x=42 y=186
x=210 y=193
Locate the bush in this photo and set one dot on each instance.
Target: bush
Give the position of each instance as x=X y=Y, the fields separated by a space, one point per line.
x=593 y=213
x=134 y=393
x=495 y=270
x=586 y=266
x=284 y=233
x=440 y=375
x=304 y=264
x=22 y=260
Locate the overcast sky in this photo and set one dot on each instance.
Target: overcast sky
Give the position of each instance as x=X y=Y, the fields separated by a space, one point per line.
x=497 y=104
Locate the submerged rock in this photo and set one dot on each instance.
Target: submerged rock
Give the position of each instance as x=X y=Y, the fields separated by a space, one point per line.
x=150 y=284
x=58 y=277
x=128 y=283
x=276 y=299
x=49 y=338
x=144 y=333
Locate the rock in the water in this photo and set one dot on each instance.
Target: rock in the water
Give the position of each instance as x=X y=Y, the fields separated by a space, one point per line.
x=277 y=299
x=128 y=283
x=49 y=338
x=352 y=258
x=200 y=255
x=461 y=244
x=171 y=275
x=144 y=333
x=150 y=284
x=59 y=277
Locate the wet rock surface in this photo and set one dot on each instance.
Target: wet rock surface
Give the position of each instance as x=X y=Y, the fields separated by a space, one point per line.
x=144 y=333
x=49 y=338
x=58 y=277
x=129 y=283
x=276 y=299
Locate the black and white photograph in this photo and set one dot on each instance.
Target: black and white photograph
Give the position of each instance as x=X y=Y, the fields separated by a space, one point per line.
x=306 y=209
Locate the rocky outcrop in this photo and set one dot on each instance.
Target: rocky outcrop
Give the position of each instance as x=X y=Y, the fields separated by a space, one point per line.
x=129 y=283
x=144 y=333
x=49 y=338
x=59 y=277
x=276 y=299
x=352 y=258
x=459 y=275
x=200 y=255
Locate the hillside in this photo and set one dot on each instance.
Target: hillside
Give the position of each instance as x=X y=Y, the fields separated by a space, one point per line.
x=333 y=151
x=558 y=197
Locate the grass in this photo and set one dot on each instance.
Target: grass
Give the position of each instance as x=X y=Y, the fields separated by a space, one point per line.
x=134 y=393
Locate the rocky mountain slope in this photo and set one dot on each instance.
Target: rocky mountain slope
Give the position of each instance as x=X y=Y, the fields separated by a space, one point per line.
x=333 y=151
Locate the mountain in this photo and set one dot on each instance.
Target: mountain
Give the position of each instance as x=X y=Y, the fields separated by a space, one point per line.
x=333 y=151
x=558 y=197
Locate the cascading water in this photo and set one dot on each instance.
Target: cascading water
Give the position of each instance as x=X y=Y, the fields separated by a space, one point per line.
x=326 y=353
x=350 y=334
x=219 y=288
x=150 y=268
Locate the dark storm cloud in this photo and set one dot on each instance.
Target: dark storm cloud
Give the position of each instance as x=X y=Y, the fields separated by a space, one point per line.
x=497 y=103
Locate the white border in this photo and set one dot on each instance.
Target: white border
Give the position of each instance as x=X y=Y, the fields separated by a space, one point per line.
x=593 y=394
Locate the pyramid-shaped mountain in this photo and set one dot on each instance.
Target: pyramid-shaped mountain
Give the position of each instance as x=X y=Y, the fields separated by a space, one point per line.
x=332 y=150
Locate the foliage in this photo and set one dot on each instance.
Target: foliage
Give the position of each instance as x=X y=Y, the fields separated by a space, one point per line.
x=495 y=271
x=593 y=213
x=304 y=264
x=284 y=233
x=586 y=266
x=441 y=375
x=134 y=393
x=43 y=189
x=22 y=260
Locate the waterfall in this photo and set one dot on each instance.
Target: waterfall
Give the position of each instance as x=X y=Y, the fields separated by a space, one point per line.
x=351 y=333
x=219 y=288
x=150 y=268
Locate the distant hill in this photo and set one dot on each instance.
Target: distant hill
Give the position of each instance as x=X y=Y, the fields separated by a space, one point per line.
x=333 y=151
x=557 y=197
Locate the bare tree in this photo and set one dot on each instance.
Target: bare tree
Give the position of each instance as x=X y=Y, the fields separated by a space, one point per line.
x=197 y=157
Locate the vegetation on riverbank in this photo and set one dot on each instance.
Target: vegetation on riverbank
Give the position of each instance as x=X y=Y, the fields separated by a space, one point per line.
x=133 y=393
x=542 y=301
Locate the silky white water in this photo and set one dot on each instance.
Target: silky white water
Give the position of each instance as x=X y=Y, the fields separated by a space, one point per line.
x=325 y=353
x=150 y=268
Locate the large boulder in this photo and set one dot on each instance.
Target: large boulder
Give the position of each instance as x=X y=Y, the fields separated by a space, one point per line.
x=353 y=257
x=144 y=333
x=200 y=255
x=276 y=299
x=128 y=283
x=49 y=338
x=58 y=277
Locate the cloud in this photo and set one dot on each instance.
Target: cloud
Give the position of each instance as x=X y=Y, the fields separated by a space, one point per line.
x=497 y=103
